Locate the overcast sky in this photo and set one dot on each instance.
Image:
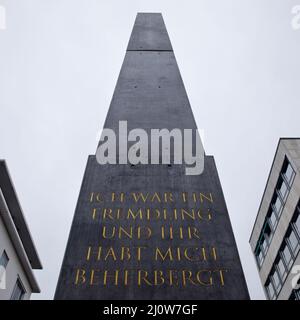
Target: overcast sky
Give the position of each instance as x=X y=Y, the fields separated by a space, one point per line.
x=59 y=63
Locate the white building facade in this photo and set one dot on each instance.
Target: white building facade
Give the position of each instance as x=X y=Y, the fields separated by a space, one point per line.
x=275 y=239
x=18 y=256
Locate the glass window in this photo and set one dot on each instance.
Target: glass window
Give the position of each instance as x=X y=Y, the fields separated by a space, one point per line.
x=293 y=242
x=283 y=189
x=297 y=293
x=267 y=230
x=3 y=263
x=297 y=222
x=286 y=253
x=264 y=245
x=259 y=257
x=270 y=290
x=293 y=296
x=281 y=269
x=4 y=259
x=18 y=292
x=276 y=281
x=265 y=239
x=273 y=219
x=277 y=205
x=289 y=173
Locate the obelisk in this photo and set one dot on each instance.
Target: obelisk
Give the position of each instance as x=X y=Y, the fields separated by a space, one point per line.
x=149 y=231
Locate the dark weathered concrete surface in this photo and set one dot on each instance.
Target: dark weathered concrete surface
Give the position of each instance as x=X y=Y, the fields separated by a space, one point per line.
x=149 y=33
x=150 y=94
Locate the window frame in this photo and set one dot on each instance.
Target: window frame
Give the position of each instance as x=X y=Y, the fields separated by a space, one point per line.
x=18 y=285
x=277 y=196
x=271 y=213
x=295 y=294
x=6 y=259
x=294 y=225
x=284 y=275
x=282 y=181
x=295 y=250
x=286 y=165
x=272 y=277
x=270 y=283
x=286 y=246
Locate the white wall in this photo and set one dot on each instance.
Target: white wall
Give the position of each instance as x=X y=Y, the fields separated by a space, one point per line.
x=13 y=269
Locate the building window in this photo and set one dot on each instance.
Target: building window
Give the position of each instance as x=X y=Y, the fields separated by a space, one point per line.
x=295 y=295
x=267 y=237
x=282 y=188
x=263 y=244
x=285 y=259
x=272 y=217
x=259 y=256
x=277 y=205
x=19 y=291
x=270 y=290
x=287 y=256
x=293 y=242
x=296 y=220
x=3 y=264
x=288 y=172
x=281 y=268
x=4 y=259
x=280 y=195
x=276 y=281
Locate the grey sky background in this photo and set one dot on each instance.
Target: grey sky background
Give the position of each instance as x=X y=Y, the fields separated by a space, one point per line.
x=59 y=63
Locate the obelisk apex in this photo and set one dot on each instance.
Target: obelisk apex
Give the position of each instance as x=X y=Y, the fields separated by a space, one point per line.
x=149 y=34
x=150 y=92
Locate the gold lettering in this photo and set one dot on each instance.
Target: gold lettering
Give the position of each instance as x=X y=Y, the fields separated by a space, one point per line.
x=92 y=277
x=214 y=253
x=173 y=277
x=114 y=197
x=125 y=251
x=89 y=252
x=138 y=196
x=168 y=197
x=158 y=273
x=186 y=213
x=221 y=274
x=107 y=213
x=115 y=277
x=208 y=198
x=130 y=213
x=109 y=253
x=80 y=276
x=143 y=277
x=193 y=232
x=184 y=196
x=157 y=197
x=201 y=280
x=185 y=277
x=105 y=236
x=163 y=256
x=94 y=212
x=129 y=233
